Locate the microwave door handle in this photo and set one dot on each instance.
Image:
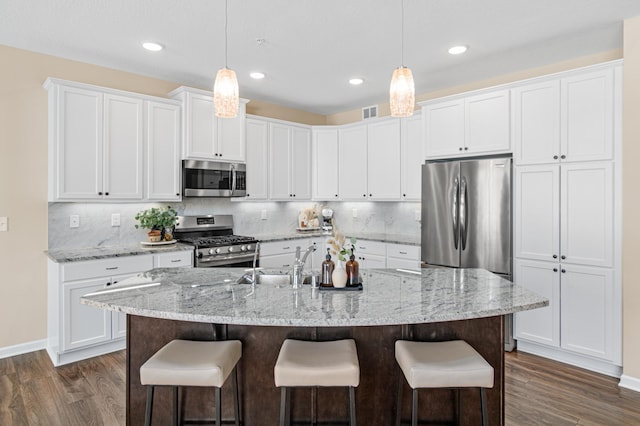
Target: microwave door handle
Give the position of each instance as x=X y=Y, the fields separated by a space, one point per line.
x=454 y=212
x=233 y=179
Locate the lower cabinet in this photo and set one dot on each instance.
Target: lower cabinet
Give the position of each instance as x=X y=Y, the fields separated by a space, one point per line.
x=403 y=256
x=581 y=318
x=280 y=254
x=371 y=254
x=76 y=331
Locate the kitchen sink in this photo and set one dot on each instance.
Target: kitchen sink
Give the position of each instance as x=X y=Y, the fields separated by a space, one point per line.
x=272 y=279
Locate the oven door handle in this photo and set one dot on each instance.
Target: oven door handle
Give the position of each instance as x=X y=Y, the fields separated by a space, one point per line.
x=233 y=178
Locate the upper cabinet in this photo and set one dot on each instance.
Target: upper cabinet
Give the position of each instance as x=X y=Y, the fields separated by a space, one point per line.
x=289 y=162
x=412 y=158
x=352 y=164
x=257 y=159
x=325 y=163
x=467 y=126
x=565 y=119
x=163 y=151
x=207 y=137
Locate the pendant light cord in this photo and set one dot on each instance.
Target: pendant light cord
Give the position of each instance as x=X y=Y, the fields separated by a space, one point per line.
x=226 y=36
x=402 y=36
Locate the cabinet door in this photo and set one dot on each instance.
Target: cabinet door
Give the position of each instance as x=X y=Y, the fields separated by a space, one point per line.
x=163 y=151
x=537 y=212
x=587 y=214
x=278 y=261
x=372 y=261
x=123 y=147
x=84 y=325
x=325 y=164
x=352 y=154
x=279 y=162
x=412 y=158
x=257 y=159
x=444 y=128
x=587 y=116
x=231 y=136
x=174 y=259
x=383 y=160
x=119 y=319
x=587 y=310
x=300 y=163
x=78 y=144
x=402 y=263
x=201 y=127
x=487 y=123
x=540 y=325
x=536 y=123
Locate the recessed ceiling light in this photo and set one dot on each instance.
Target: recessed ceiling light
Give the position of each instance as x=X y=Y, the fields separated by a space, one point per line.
x=152 y=46
x=257 y=75
x=356 y=81
x=456 y=50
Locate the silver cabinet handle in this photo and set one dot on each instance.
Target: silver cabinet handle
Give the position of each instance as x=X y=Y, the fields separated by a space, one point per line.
x=112 y=268
x=176 y=260
x=403 y=252
x=286 y=248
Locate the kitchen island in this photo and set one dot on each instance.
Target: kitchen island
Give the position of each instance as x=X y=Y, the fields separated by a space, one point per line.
x=208 y=304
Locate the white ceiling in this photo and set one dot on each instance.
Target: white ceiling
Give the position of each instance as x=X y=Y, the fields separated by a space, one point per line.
x=313 y=47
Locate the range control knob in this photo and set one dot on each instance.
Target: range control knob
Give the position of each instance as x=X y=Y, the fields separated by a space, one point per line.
x=249 y=247
x=232 y=249
x=200 y=255
x=218 y=250
x=243 y=248
x=211 y=251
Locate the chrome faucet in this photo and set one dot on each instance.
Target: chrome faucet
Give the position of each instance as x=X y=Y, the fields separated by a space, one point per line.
x=254 y=278
x=298 y=265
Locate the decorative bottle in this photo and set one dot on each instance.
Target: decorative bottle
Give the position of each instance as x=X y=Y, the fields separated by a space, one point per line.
x=327 y=270
x=353 y=270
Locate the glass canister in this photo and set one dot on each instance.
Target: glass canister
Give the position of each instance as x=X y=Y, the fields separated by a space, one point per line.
x=326 y=271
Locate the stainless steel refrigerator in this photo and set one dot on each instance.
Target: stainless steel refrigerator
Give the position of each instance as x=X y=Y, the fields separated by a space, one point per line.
x=466 y=217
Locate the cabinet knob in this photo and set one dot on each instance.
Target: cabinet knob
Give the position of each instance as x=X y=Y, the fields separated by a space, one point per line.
x=555 y=256
x=106 y=193
x=294 y=195
x=555 y=157
x=336 y=195
x=100 y=193
x=108 y=284
x=563 y=271
x=555 y=269
x=562 y=157
x=370 y=195
x=248 y=195
x=364 y=195
x=563 y=257
x=466 y=148
x=404 y=195
x=460 y=149
x=177 y=194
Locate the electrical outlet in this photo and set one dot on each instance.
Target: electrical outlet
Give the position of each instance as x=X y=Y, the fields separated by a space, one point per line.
x=417 y=215
x=74 y=221
x=115 y=219
x=354 y=213
x=4 y=224
x=263 y=214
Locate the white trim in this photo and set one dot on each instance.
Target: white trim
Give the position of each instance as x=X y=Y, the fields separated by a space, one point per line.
x=22 y=348
x=629 y=382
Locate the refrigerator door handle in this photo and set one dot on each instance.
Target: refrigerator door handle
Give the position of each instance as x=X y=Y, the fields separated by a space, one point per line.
x=454 y=211
x=463 y=213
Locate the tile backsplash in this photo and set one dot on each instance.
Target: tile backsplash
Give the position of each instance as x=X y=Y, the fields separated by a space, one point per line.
x=95 y=228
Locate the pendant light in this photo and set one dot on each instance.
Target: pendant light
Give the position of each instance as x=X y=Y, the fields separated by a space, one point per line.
x=402 y=95
x=225 y=88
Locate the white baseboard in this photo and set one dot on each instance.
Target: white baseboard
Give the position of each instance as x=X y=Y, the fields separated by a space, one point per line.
x=22 y=348
x=629 y=382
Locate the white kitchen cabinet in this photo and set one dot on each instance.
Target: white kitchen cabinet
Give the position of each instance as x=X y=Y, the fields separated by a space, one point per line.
x=289 y=162
x=352 y=155
x=280 y=254
x=371 y=254
x=174 y=259
x=95 y=143
x=383 y=160
x=464 y=126
x=565 y=119
x=163 y=151
x=84 y=325
x=412 y=158
x=257 y=132
x=325 y=163
x=403 y=256
x=207 y=137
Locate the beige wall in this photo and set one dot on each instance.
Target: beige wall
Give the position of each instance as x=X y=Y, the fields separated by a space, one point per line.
x=631 y=200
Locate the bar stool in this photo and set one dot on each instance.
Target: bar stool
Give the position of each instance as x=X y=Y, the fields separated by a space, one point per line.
x=451 y=364
x=192 y=363
x=303 y=364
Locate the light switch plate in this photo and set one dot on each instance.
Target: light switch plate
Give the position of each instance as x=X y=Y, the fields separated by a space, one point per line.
x=417 y=215
x=4 y=224
x=115 y=219
x=74 y=221
x=263 y=214
x=354 y=213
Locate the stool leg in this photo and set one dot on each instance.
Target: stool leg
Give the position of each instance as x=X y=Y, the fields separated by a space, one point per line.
x=483 y=403
x=175 y=406
x=414 y=408
x=147 y=412
x=352 y=406
x=283 y=406
x=399 y=401
x=218 y=408
x=236 y=398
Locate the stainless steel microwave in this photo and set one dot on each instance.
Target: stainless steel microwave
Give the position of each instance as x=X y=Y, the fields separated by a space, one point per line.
x=213 y=179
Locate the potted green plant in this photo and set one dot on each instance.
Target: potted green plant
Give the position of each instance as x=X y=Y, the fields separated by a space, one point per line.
x=160 y=221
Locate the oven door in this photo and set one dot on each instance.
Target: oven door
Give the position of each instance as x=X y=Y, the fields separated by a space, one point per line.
x=213 y=179
x=222 y=262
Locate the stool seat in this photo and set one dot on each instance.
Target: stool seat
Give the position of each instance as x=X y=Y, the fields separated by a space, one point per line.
x=303 y=363
x=192 y=363
x=452 y=364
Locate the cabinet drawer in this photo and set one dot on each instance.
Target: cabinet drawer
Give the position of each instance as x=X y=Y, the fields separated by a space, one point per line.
x=106 y=267
x=280 y=247
x=403 y=251
x=371 y=247
x=173 y=259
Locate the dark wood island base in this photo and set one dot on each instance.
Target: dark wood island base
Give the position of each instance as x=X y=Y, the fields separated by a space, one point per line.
x=260 y=399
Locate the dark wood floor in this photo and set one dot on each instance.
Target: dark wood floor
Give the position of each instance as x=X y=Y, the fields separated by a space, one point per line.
x=92 y=392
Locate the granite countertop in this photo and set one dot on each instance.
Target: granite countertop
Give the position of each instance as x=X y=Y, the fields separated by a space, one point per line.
x=211 y=295
x=413 y=240
x=93 y=253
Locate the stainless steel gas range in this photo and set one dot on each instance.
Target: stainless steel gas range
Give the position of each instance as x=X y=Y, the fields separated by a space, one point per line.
x=213 y=240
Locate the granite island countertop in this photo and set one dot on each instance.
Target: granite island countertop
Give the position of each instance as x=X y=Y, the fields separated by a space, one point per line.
x=93 y=253
x=389 y=297
x=413 y=240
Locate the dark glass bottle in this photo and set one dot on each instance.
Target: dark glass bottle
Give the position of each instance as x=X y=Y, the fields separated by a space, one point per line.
x=353 y=270
x=327 y=270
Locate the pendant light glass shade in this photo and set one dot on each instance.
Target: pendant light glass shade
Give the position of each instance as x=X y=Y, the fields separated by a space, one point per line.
x=225 y=94
x=402 y=96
